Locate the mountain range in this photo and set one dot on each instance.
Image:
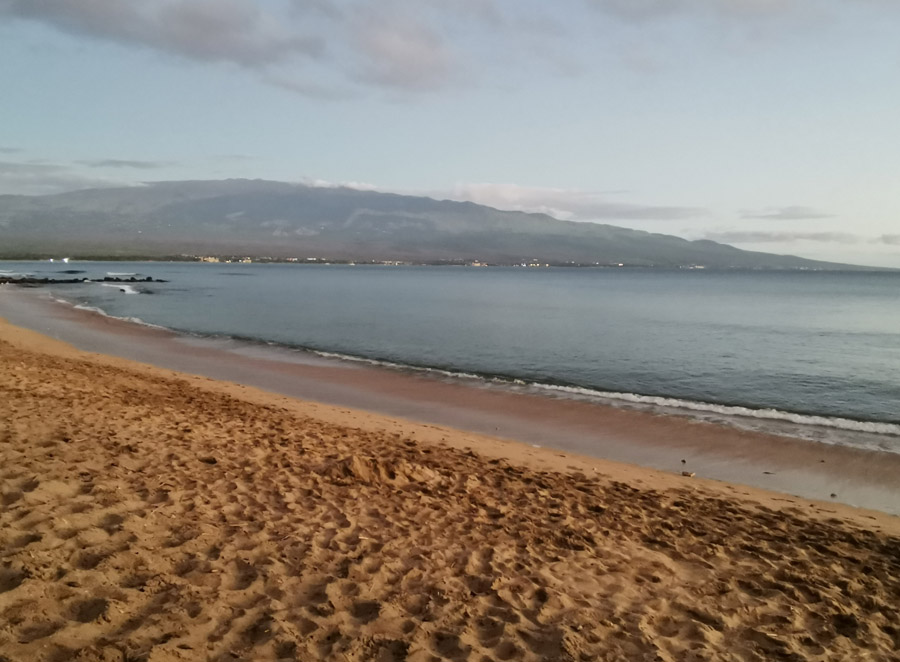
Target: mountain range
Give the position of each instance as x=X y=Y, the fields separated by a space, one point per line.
x=255 y=218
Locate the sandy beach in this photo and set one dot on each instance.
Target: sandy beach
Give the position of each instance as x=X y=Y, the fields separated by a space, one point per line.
x=154 y=515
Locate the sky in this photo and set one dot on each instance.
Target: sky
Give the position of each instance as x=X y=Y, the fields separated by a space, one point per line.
x=772 y=125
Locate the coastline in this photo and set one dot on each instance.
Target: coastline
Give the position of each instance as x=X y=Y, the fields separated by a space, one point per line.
x=156 y=515
x=805 y=469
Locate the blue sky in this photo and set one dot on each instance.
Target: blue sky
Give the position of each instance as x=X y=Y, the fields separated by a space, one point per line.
x=769 y=124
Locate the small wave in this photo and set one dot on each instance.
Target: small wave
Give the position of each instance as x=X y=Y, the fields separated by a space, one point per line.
x=773 y=421
x=100 y=311
x=127 y=289
x=395 y=366
x=81 y=306
x=727 y=413
x=848 y=424
x=119 y=274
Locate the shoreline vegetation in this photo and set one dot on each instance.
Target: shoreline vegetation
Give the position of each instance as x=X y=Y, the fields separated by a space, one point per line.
x=154 y=515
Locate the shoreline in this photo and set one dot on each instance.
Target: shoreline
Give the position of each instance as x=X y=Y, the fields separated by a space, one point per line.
x=800 y=468
x=533 y=456
x=844 y=415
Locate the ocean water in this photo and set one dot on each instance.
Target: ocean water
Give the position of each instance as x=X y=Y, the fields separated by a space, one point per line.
x=814 y=355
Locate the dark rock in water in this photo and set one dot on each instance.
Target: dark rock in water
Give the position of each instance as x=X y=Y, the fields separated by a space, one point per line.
x=28 y=280
x=31 y=281
x=131 y=279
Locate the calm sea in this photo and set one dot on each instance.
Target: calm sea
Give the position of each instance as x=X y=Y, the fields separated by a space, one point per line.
x=809 y=354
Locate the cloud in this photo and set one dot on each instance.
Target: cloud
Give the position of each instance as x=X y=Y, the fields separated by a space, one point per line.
x=325 y=183
x=889 y=239
x=235 y=31
x=566 y=204
x=400 y=50
x=125 y=163
x=316 y=48
x=647 y=10
x=232 y=157
x=486 y=11
x=374 y=43
x=763 y=237
x=794 y=213
x=44 y=179
x=310 y=89
x=10 y=150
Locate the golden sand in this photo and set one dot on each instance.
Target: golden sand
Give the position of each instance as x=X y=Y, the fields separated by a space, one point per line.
x=148 y=515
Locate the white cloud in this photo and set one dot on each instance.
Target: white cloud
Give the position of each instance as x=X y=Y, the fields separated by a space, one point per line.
x=765 y=237
x=126 y=163
x=311 y=89
x=792 y=213
x=325 y=183
x=566 y=204
x=645 y=10
x=45 y=178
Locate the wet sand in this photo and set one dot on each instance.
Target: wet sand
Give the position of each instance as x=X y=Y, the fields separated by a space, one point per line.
x=851 y=476
x=153 y=515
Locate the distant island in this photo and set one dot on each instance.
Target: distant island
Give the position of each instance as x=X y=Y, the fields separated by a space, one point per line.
x=276 y=221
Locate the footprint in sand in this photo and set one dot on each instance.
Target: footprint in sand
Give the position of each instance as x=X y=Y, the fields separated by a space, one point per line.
x=87 y=611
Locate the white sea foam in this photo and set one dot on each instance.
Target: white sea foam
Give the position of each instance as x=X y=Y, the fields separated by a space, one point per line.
x=396 y=366
x=100 y=311
x=119 y=274
x=730 y=410
x=672 y=405
x=90 y=309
